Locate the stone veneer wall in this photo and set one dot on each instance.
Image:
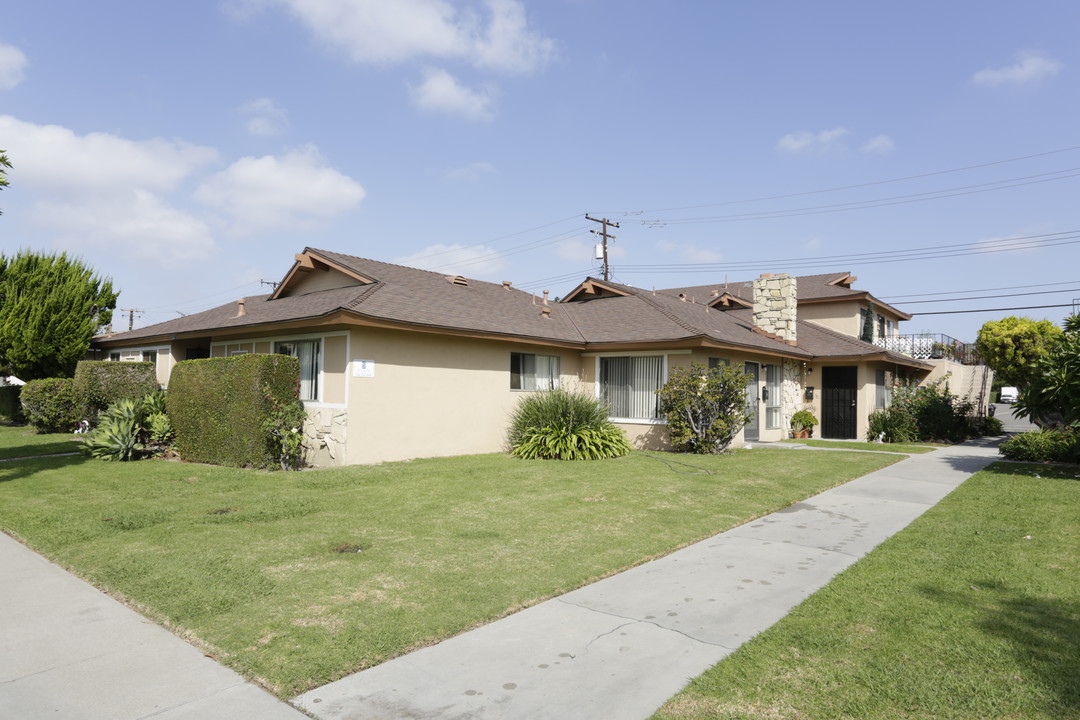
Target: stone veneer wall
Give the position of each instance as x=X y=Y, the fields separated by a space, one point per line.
x=324 y=436
x=774 y=305
x=792 y=389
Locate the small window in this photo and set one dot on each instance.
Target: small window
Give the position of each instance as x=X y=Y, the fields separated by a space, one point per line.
x=715 y=362
x=308 y=352
x=881 y=326
x=884 y=390
x=149 y=356
x=772 y=397
x=114 y=357
x=533 y=372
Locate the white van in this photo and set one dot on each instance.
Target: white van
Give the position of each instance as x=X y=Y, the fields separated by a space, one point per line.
x=1007 y=395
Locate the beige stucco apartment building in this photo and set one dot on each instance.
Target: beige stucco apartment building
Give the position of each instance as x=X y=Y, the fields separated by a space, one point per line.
x=399 y=363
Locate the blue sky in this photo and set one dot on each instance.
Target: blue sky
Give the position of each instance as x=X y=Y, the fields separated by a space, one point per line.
x=188 y=150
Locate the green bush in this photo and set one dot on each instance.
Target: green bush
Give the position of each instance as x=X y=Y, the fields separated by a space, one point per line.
x=218 y=406
x=51 y=404
x=892 y=425
x=100 y=383
x=562 y=425
x=10 y=407
x=927 y=412
x=992 y=426
x=705 y=407
x=284 y=430
x=1043 y=445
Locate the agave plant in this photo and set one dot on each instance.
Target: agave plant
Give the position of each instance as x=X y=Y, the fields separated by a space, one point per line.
x=113 y=439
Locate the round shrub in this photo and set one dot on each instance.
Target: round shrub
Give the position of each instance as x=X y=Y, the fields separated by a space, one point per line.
x=1043 y=446
x=10 y=407
x=51 y=404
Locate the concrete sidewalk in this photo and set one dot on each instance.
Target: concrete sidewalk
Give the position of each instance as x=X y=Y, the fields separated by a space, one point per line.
x=621 y=647
x=70 y=652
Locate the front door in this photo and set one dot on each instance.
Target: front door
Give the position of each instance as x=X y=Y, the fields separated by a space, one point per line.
x=838 y=402
x=750 y=431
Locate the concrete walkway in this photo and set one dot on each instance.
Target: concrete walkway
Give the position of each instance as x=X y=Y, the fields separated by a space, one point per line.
x=615 y=649
x=621 y=647
x=70 y=652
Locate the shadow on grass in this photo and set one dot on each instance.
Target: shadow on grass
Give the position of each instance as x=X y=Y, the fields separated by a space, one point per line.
x=1042 y=633
x=11 y=470
x=31 y=451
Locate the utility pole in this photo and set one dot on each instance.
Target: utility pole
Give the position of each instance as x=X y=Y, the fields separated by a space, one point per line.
x=606 y=236
x=131 y=316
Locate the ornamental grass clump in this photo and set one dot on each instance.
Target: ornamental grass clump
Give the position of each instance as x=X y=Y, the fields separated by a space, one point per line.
x=563 y=425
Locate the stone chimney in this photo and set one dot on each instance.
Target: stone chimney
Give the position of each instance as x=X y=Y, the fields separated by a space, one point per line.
x=774 y=306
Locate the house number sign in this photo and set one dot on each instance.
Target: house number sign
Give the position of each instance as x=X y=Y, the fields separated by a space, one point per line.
x=363 y=368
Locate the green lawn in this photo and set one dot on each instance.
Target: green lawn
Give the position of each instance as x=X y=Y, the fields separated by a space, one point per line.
x=906 y=448
x=22 y=441
x=296 y=579
x=971 y=612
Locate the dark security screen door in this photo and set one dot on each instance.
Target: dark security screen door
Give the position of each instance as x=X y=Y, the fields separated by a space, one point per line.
x=750 y=432
x=838 y=395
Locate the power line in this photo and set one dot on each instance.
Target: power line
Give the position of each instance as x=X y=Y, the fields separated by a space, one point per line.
x=857 y=185
x=963 y=292
x=877 y=202
x=957 y=312
x=988 y=297
x=1023 y=242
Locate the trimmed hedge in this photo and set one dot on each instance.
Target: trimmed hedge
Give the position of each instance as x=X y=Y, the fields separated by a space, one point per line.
x=101 y=383
x=51 y=404
x=218 y=406
x=10 y=407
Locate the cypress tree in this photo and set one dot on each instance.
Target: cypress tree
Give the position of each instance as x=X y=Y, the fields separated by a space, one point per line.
x=50 y=307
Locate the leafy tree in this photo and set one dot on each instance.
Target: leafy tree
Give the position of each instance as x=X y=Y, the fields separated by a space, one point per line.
x=705 y=408
x=1053 y=394
x=1013 y=347
x=5 y=165
x=50 y=307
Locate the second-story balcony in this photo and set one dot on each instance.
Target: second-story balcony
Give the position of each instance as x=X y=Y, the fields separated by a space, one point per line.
x=932 y=347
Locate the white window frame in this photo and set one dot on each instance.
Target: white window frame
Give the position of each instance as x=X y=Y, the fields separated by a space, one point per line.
x=773 y=405
x=317 y=370
x=664 y=371
x=550 y=381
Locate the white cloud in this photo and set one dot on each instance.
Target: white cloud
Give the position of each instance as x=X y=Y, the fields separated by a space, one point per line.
x=813 y=243
x=470 y=173
x=878 y=145
x=440 y=92
x=107 y=191
x=576 y=251
x=265 y=119
x=140 y=226
x=804 y=142
x=12 y=66
x=690 y=252
x=1030 y=66
x=468 y=260
x=257 y=194
x=382 y=32
x=56 y=159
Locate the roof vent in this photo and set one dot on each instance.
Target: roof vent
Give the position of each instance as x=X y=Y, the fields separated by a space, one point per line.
x=241 y=307
x=545 y=312
x=546 y=297
x=507 y=284
x=457 y=280
x=682 y=296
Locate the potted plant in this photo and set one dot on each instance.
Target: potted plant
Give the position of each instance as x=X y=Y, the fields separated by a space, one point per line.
x=802 y=424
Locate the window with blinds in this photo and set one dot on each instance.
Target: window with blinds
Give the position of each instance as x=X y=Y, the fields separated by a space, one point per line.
x=772 y=396
x=534 y=372
x=629 y=384
x=307 y=352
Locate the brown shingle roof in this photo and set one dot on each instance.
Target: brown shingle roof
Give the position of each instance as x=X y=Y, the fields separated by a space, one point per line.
x=422 y=298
